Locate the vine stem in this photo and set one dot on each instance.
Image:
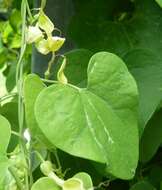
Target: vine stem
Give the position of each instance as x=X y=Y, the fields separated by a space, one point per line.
x=19 y=83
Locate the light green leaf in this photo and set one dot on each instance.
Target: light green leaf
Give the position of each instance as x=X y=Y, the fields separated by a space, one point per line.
x=73 y=184
x=85 y=178
x=4 y=164
x=45 y=183
x=10 y=111
x=159 y=2
x=4 y=135
x=99 y=122
x=15 y=19
x=142 y=185
x=32 y=87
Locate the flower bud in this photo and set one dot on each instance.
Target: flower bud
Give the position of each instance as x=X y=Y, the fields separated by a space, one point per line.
x=46 y=167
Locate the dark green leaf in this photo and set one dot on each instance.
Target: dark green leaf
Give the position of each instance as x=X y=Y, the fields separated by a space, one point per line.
x=123 y=37
x=142 y=185
x=151 y=138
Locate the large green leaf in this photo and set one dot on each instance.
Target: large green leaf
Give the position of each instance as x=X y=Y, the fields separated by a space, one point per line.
x=124 y=36
x=4 y=135
x=45 y=183
x=98 y=122
x=151 y=138
x=142 y=185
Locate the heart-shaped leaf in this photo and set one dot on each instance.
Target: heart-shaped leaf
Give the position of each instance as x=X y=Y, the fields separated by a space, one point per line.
x=45 y=183
x=98 y=122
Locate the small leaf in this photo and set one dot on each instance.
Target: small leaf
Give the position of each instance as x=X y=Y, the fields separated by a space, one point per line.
x=5 y=134
x=86 y=179
x=60 y=75
x=73 y=184
x=45 y=183
x=45 y=23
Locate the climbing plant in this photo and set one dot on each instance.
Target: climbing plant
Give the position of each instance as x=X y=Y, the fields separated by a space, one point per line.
x=93 y=121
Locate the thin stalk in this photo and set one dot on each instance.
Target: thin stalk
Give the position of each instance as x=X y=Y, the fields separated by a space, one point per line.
x=57 y=159
x=39 y=156
x=43 y=4
x=28 y=10
x=19 y=82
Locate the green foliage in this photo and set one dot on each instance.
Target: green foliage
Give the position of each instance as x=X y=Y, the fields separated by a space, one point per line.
x=93 y=121
x=45 y=183
x=128 y=38
x=5 y=135
x=142 y=185
x=69 y=107
x=159 y=2
x=151 y=138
